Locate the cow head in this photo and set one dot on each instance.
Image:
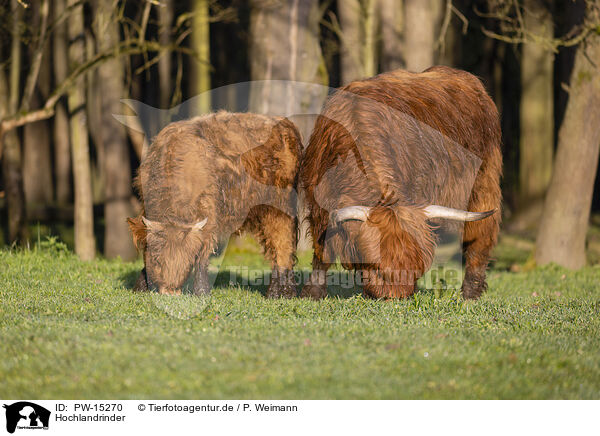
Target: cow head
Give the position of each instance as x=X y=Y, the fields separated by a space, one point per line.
x=396 y=243
x=170 y=250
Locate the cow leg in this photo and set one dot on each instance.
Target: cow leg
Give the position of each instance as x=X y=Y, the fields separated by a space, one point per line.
x=480 y=237
x=201 y=282
x=276 y=231
x=283 y=284
x=478 y=241
x=316 y=286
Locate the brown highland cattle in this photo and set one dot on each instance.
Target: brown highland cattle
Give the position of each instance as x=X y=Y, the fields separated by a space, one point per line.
x=391 y=156
x=208 y=177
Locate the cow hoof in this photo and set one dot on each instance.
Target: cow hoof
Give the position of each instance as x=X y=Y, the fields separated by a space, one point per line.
x=141 y=285
x=202 y=292
x=281 y=290
x=474 y=285
x=201 y=287
x=316 y=292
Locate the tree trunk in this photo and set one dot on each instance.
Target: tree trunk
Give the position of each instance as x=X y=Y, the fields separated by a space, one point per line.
x=62 y=145
x=563 y=228
x=369 y=50
x=537 y=99
x=85 y=244
x=201 y=66
x=13 y=186
x=349 y=12
x=165 y=17
x=392 y=20
x=93 y=108
x=117 y=171
x=358 y=25
x=286 y=63
x=12 y=159
x=37 y=161
x=284 y=45
x=419 y=33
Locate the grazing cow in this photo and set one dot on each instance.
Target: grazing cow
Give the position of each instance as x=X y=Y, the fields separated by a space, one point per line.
x=205 y=178
x=389 y=157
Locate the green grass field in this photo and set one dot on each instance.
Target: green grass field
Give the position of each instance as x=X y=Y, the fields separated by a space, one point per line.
x=70 y=329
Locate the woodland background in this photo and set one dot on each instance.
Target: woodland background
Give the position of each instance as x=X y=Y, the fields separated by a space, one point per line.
x=67 y=163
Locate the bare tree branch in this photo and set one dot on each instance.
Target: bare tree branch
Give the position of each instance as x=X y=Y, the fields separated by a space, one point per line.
x=462 y=18
x=512 y=29
x=134 y=44
x=125 y=48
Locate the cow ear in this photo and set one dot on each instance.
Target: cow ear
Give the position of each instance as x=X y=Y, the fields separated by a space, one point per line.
x=138 y=231
x=199 y=225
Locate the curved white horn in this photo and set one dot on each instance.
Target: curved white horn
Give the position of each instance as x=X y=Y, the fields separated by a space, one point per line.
x=149 y=223
x=361 y=213
x=200 y=224
x=354 y=213
x=435 y=211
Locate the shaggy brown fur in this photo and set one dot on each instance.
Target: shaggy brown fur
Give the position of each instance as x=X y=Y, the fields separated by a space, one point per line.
x=397 y=142
x=237 y=171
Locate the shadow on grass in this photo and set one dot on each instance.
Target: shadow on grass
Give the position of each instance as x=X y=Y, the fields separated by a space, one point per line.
x=129 y=278
x=340 y=282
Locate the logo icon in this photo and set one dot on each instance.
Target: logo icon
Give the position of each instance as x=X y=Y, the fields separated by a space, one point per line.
x=26 y=415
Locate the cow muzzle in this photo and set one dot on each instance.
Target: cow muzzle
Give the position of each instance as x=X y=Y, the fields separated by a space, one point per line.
x=167 y=291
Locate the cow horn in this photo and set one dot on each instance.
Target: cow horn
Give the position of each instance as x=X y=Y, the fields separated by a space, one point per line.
x=435 y=211
x=351 y=213
x=361 y=213
x=150 y=224
x=200 y=225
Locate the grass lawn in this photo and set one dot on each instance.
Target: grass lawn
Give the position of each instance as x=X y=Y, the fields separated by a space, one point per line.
x=70 y=329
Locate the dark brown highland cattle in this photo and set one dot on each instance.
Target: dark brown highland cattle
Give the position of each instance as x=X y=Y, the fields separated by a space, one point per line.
x=206 y=178
x=390 y=156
